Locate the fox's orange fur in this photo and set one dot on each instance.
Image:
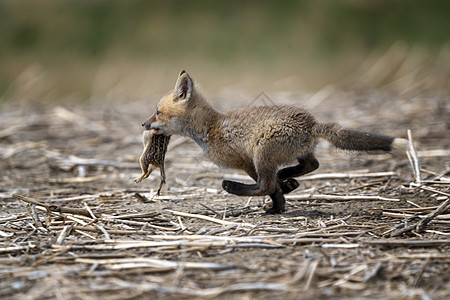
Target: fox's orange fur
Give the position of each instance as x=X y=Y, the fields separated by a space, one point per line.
x=257 y=140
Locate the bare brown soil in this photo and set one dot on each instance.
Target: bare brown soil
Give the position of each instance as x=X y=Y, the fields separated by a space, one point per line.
x=197 y=241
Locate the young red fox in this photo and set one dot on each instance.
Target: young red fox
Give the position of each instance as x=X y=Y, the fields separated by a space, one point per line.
x=257 y=140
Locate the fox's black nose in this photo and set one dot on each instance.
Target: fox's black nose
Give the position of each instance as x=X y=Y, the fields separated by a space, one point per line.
x=143 y=124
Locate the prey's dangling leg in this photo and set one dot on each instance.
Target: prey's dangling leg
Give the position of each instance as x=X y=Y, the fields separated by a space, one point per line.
x=146 y=170
x=163 y=179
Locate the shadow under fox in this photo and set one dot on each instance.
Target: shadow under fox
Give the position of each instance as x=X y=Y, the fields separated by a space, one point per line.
x=257 y=140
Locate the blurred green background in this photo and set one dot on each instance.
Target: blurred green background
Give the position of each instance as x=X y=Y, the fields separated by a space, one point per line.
x=132 y=50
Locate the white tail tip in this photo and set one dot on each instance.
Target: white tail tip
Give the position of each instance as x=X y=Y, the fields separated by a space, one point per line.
x=399 y=145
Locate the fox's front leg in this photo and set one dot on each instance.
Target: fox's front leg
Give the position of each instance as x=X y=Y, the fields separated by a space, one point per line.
x=243 y=189
x=265 y=177
x=266 y=184
x=259 y=189
x=262 y=170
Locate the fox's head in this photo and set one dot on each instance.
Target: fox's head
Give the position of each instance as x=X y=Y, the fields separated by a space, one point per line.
x=174 y=108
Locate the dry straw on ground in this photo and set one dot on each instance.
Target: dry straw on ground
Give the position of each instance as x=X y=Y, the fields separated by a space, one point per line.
x=73 y=224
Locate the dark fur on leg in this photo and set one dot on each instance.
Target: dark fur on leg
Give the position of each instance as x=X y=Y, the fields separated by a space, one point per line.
x=305 y=165
x=266 y=184
x=238 y=188
x=284 y=183
x=278 y=203
x=288 y=185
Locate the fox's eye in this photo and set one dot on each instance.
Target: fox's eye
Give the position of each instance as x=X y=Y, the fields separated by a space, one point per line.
x=158 y=112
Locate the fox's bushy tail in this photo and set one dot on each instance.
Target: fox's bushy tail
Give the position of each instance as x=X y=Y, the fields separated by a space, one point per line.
x=350 y=139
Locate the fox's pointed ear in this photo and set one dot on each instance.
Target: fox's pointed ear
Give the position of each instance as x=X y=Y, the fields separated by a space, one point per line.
x=184 y=87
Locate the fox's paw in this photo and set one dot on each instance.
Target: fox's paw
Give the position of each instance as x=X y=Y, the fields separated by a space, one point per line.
x=288 y=185
x=240 y=189
x=138 y=179
x=237 y=188
x=229 y=186
x=270 y=210
x=275 y=210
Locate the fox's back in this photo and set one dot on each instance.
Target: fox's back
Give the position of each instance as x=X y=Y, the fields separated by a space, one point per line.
x=280 y=130
x=259 y=120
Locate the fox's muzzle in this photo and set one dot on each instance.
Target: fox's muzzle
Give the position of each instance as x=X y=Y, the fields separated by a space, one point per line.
x=147 y=124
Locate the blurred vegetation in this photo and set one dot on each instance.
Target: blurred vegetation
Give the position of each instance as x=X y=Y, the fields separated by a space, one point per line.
x=59 y=50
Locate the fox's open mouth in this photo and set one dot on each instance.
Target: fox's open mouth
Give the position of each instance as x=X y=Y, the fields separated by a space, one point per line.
x=152 y=130
x=155 y=130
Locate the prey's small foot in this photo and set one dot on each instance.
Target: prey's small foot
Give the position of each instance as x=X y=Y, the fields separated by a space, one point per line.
x=159 y=190
x=138 y=179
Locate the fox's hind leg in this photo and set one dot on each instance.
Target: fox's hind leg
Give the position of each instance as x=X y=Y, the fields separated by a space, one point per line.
x=278 y=202
x=305 y=165
x=288 y=185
